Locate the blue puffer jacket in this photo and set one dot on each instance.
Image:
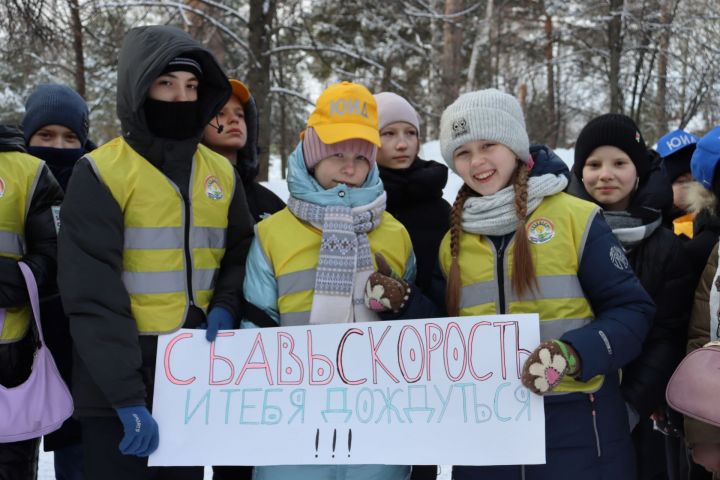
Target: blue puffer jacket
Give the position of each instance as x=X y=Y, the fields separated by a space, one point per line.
x=587 y=436
x=260 y=288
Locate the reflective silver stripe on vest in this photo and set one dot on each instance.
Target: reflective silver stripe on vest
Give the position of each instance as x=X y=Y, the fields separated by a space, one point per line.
x=291 y=319
x=11 y=243
x=204 y=279
x=477 y=294
x=553 y=286
x=153 y=238
x=154 y=282
x=207 y=237
x=296 y=281
x=553 y=329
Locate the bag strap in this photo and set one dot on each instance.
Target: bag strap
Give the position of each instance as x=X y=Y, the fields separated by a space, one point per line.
x=34 y=297
x=714 y=303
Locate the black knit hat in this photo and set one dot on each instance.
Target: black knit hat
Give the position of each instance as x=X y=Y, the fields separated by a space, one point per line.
x=614 y=130
x=55 y=104
x=184 y=63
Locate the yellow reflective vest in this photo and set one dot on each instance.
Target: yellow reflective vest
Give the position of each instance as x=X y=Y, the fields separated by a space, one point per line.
x=292 y=249
x=19 y=174
x=161 y=237
x=556 y=231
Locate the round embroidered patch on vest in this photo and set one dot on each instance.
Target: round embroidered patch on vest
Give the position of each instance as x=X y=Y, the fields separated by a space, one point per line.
x=213 y=188
x=618 y=258
x=2 y=187
x=541 y=230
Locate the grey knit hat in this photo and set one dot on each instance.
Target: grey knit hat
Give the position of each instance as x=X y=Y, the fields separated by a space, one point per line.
x=484 y=115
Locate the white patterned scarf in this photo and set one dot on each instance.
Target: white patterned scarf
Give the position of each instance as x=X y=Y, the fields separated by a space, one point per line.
x=345 y=260
x=495 y=214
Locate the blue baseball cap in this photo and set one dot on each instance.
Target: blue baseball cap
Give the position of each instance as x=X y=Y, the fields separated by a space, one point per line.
x=706 y=157
x=675 y=141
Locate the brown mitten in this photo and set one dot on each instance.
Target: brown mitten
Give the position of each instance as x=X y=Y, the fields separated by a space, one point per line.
x=384 y=290
x=548 y=364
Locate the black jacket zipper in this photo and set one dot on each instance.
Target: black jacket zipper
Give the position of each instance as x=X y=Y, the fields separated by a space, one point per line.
x=500 y=254
x=188 y=258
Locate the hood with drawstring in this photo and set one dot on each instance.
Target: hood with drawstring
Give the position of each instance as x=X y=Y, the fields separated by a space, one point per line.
x=140 y=62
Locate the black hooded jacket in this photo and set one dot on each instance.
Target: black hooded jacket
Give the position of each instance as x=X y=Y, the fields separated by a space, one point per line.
x=414 y=198
x=261 y=201
x=41 y=254
x=114 y=367
x=661 y=265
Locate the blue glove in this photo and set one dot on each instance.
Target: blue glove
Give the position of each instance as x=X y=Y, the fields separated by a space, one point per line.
x=218 y=319
x=142 y=435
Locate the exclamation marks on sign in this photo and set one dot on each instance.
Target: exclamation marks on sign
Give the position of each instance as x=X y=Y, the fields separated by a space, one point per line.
x=317 y=441
x=349 y=441
x=334 y=441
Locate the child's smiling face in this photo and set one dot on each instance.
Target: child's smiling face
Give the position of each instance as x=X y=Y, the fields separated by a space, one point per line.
x=485 y=166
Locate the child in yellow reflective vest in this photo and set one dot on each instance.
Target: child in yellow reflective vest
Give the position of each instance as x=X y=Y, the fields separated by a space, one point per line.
x=518 y=244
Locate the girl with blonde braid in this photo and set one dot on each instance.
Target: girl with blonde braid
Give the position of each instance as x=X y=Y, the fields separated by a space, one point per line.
x=518 y=244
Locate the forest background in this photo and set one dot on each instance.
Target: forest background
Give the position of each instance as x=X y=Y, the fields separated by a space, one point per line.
x=657 y=61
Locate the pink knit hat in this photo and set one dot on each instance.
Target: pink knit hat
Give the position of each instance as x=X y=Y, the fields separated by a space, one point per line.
x=315 y=150
x=393 y=108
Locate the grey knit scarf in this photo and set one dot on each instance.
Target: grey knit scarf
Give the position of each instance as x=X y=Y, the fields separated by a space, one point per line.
x=630 y=230
x=344 y=250
x=495 y=214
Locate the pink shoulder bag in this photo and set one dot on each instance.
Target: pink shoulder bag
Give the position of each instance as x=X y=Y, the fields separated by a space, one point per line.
x=42 y=403
x=694 y=388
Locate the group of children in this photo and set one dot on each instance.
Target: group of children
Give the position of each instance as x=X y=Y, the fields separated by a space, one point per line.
x=157 y=234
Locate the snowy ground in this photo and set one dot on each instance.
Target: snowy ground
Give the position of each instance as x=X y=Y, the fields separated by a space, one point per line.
x=430 y=151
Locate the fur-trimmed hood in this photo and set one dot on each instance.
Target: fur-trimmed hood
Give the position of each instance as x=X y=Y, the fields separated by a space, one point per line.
x=700 y=198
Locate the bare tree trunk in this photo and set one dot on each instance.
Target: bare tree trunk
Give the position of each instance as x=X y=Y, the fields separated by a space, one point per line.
x=615 y=45
x=522 y=97
x=261 y=17
x=661 y=115
x=483 y=38
x=451 y=56
x=77 y=36
x=550 y=69
x=283 y=122
x=205 y=32
x=434 y=76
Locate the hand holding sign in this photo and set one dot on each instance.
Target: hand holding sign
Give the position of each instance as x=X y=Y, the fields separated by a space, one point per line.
x=548 y=364
x=385 y=290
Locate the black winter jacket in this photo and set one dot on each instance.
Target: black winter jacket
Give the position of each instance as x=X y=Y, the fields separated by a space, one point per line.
x=114 y=367
x=41 y=247
x=706 y=230
x=414 y=198
x=261 y=201
x=661 y=265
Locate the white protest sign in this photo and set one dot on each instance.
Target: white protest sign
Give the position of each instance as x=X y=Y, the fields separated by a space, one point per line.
x=437 y=391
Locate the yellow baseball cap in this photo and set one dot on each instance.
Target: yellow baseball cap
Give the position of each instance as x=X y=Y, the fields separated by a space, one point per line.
x=345 y=111
x=240 y=90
